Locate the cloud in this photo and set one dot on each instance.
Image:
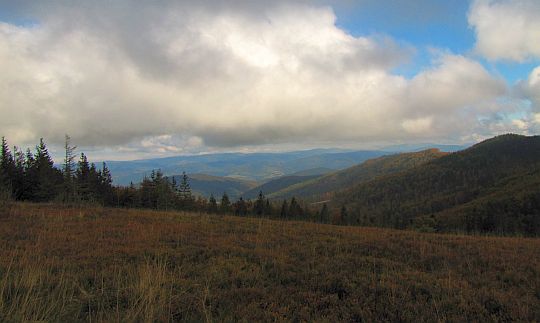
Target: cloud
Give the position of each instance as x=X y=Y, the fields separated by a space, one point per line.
x=531 y=88
x=506 y=29
x=179 y=76
x=529 y=92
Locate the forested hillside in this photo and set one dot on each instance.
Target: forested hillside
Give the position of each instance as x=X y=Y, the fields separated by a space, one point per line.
x=278 y=184
x=208 y=185
x=322 y=188
x=490 y=187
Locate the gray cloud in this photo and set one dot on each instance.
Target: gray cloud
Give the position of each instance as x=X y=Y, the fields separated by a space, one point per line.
x=180 y=76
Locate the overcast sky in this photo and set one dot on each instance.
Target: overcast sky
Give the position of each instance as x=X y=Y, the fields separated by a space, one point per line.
x=131 y=79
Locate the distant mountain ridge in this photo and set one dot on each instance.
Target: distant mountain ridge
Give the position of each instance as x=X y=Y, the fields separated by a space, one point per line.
x=255 y=166
x=424 y=146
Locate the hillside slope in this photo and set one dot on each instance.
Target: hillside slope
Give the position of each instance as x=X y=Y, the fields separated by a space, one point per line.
x=276 y=185
x=324 y=187
x=205 y=185
x=492 y=186
x=82 y=264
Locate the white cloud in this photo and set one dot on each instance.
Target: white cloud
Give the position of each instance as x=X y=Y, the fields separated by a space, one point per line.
x=187 y=76
x=419 y=125
x=532 y=88
x=529 y=90
x=520 y=124
x=506 y=29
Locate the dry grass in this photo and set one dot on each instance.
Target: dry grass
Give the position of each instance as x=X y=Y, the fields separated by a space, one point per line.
x=90 y=264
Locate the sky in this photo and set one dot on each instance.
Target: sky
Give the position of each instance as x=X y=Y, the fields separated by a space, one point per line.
x=133 y=79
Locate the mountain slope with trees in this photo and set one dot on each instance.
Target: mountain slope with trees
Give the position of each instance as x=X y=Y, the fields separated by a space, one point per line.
x=490 y=187
x=322 y=188
x=207 y=185
x=278 y=184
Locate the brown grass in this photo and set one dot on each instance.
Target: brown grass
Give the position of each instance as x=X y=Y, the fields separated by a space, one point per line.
x=64 y=264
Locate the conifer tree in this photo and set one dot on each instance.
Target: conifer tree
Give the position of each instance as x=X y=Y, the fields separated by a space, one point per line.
x=30 y=182
x=94 y=183
x=268 y=209
x=344 y=215
x=185 y=188
x=82 y=179
x=105 y=187
x=68 y=169
x=7 y=169
x=324 y=215
x=295 y=210
x=240 y=207
x=284 y=210
x=146 y=193
x=258 y=208
x=225 y=205
x=212 y=204
x=18 y=181
x=49 y=179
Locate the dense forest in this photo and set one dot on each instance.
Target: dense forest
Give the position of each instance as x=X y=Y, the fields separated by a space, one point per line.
x=32 y=176
x=324 y=187
x=493 y=186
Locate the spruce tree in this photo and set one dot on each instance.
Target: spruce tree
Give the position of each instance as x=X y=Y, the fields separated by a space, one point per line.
x=225 y=205
x=295 y=210
x=94 y=183
x=185 y=188
x=82 y=179
x=105 y=187
x=185 y=191
x=19 y=173
x=212 y=204
x=49 y=179
x=344 y=216
x=240 y=207
x=324 y=215
x=69 y=170
x=30 y=182
x=284 y=210
x=146 y=193
x=258 y=209
x=268 y=209
x=7 y=169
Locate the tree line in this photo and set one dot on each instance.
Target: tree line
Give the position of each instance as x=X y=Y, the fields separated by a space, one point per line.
x=161 y=192
x=32 y=176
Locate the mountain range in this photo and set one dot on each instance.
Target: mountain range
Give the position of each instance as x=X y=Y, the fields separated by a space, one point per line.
x=252 y=167
x=493 y=186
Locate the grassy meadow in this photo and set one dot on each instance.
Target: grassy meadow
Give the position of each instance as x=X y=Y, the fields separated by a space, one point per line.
x=67 y=264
